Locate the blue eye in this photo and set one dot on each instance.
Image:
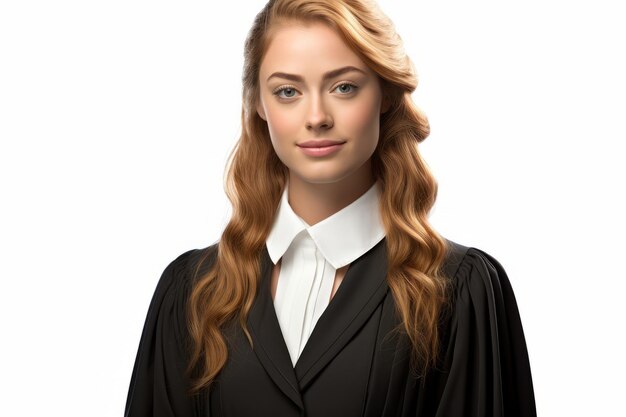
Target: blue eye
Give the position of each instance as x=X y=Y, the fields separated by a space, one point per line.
x=354 y=87
x=292 y=89
x=277 y=92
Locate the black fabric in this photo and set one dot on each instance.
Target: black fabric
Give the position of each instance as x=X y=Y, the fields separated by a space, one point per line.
x=351 y=364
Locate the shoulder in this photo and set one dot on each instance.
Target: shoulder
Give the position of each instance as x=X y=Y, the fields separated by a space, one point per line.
x=159 y=379
x=168 y=304
x=175 y=274
x=183 y=267
x=481 y=290
x=477 y=275
x=175 y=283
x=461 y=259
x=484 y=339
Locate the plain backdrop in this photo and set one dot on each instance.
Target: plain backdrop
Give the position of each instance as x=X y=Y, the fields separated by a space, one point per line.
x=116 y=119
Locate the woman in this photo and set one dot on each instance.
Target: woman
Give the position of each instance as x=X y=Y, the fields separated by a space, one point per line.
x=329 y=294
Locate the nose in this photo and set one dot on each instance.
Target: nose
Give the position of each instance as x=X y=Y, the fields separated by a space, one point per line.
x=318 y=115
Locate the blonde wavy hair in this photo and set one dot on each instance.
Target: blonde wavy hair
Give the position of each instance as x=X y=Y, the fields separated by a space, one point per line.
x=256 y=177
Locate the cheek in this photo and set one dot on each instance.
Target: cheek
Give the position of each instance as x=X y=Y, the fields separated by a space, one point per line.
x=281 y=126
x=364 y=120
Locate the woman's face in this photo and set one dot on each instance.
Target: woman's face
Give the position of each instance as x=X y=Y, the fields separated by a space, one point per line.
x=303 y=104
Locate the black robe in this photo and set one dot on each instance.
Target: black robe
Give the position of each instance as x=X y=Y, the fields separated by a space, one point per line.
x=348 y=368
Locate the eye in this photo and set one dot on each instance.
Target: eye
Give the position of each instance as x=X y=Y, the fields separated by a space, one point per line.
x=287 y=88
x=354 y=87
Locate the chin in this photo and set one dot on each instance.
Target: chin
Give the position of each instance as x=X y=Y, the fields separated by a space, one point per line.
x=325 y=177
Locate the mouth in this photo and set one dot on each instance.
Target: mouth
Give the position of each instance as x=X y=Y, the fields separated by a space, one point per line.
x=322 y=143
x=318 y=151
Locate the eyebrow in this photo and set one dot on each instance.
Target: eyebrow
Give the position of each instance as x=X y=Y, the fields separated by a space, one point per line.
x=326 y=76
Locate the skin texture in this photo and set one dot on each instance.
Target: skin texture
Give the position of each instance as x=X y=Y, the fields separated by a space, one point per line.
x=315 y=108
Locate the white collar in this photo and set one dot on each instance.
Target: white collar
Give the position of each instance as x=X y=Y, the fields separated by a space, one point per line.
x=341 y=238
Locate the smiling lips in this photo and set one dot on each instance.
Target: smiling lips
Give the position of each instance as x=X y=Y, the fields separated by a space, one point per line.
x=320 y=147
x=320 y=143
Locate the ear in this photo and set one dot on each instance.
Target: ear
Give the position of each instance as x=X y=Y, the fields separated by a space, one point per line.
x=260 y=110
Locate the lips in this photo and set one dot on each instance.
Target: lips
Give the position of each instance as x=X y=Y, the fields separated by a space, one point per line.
x=321 y=143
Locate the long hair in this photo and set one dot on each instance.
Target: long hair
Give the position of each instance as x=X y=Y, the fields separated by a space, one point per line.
x=256 y=177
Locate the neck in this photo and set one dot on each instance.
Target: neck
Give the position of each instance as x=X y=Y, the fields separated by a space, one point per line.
x=314 y=202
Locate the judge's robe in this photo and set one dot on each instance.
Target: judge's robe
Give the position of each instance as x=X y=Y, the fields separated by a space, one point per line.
x=350 y=365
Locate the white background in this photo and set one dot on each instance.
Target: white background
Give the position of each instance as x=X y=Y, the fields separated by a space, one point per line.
x=116 y=118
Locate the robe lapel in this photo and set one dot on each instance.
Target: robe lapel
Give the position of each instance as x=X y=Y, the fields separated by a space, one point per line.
x=269 y=344
x=363 y=288
x=361 y=291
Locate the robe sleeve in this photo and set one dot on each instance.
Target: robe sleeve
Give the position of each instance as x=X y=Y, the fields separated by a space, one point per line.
x=486 y=368
x=158 y=385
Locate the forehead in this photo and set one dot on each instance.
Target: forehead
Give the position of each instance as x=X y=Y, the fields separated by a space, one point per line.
x=307 y=48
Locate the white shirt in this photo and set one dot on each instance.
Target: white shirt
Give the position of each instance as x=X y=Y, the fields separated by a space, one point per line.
x=311 y=256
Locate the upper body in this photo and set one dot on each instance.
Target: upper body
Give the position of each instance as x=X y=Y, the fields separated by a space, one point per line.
x=348 y=367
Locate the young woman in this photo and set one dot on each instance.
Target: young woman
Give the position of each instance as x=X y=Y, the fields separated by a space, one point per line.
x=328 y=293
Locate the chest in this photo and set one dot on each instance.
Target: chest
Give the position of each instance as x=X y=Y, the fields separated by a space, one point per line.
x=251 y=386
x=345 y=368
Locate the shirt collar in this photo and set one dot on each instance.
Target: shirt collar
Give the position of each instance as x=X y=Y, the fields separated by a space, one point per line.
x=341 y=238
